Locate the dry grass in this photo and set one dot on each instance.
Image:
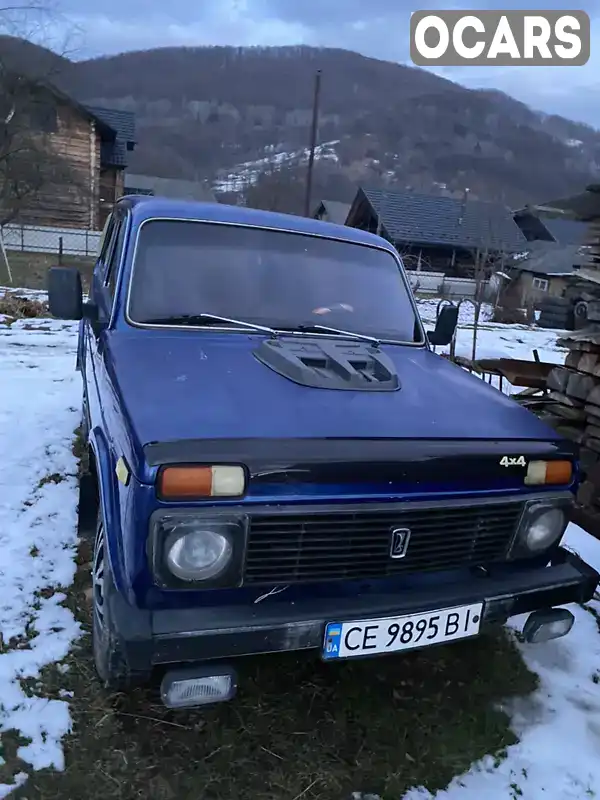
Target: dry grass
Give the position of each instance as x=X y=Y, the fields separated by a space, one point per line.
x=298 y=728
x=29 y=270
x=15 y=306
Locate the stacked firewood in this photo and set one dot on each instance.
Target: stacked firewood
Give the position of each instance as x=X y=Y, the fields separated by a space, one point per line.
x=574 y=407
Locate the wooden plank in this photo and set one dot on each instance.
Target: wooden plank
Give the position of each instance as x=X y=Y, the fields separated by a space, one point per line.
x=563 y=400
x=588 y=341
x=591 y=443
x=570 y=413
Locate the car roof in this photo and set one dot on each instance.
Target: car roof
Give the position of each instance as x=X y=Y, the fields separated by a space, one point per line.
x=146 y=208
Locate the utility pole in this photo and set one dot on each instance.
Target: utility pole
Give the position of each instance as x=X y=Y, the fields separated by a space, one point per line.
x=313 y=144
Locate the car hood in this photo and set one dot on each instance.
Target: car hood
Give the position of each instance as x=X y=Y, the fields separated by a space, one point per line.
x=181 y=385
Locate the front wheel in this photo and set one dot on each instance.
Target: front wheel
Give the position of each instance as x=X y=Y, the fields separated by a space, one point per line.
x=109 y=658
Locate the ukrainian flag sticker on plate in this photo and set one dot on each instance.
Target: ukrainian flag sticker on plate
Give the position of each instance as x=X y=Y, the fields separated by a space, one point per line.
x=331 y=646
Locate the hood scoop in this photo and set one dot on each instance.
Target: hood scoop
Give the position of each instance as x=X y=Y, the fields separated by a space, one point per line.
x=325 y=364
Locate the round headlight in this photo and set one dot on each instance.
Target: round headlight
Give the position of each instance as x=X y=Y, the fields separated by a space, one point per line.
x=544 y=530
x=198 y=555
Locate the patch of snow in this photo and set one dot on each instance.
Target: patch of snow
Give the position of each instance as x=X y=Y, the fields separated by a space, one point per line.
x=246 y=174
x=558 y=725
x=466 y=314
x=40 y=400
x=574 y=143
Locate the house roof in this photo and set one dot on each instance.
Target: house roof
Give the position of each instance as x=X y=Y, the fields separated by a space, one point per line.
x=114 y=153
x=552 y=259
x=583 y=206
x=421 y=219
x=146 y=208
x=336 y=212
x=566 y=231
x=169 y=187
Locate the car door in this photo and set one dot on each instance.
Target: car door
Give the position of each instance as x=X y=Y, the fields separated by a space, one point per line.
x=103 y=296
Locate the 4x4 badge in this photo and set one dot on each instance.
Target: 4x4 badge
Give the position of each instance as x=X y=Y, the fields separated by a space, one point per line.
x=399 y=543
x=517 y=461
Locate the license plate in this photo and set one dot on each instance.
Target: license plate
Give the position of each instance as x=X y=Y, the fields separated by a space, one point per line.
x=373 y=636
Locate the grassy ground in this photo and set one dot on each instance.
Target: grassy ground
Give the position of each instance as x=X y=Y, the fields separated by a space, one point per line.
x=298 y=728
x=29 y=270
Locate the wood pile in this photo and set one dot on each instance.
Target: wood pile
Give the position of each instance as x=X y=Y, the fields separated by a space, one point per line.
x=573 y=409
x=572 y=400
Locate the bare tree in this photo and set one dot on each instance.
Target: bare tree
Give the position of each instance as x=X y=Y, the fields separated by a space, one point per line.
x=280 y=187
x=30 y=158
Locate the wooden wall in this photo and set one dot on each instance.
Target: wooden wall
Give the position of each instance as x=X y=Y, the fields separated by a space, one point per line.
x=72 y=200
x=112 y=182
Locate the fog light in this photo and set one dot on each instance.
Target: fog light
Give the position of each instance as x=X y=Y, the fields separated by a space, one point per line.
x=542 y=626
x=189 y=688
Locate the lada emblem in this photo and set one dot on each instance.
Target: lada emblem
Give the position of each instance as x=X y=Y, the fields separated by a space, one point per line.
x=399 y=543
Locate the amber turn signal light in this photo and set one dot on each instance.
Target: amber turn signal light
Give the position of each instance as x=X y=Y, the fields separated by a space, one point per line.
x=549 y=473
x=190 y=482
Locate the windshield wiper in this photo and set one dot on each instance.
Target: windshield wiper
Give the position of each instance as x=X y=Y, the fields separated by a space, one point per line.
x=206 y=319
x=318 y=328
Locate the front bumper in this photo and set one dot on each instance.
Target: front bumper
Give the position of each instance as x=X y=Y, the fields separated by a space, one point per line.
x=204 y=634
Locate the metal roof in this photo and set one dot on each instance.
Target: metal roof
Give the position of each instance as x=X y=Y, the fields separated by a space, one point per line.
x=421 y=219
x=169 y=187
x=566 y=231
x=552 y=259
x=123 y=124
x=336 y=212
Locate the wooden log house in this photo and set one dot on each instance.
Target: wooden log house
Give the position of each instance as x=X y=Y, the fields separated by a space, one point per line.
x=93 y=145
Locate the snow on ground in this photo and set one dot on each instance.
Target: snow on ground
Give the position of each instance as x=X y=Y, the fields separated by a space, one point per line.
x=558 y=755
x=40 y=399
x=246 y=174
x=494 y=340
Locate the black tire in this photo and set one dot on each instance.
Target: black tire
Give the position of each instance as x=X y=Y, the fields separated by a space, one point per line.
x=556 y=304
x=580 y=313
x=88 y=489
x=109 y=657
x=85 y=419
x=556 y=319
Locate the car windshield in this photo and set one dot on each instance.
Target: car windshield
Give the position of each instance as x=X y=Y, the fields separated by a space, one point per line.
x=267 y=277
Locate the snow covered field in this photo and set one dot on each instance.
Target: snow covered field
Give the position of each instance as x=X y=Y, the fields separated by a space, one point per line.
x=558 y=755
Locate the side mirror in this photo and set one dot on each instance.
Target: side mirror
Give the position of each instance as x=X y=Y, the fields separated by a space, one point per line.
x=65 y=293
x=444 y=327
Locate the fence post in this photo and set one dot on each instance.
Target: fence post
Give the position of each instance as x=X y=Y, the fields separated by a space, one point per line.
x=22 y=238
x=87 y=243
x=60 y=250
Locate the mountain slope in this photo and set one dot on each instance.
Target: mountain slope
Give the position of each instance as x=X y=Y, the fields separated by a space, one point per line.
x=201 y=112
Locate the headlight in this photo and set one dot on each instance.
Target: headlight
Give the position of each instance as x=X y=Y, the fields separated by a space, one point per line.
x=544 y=530
x=195 y=553
x=542 y=526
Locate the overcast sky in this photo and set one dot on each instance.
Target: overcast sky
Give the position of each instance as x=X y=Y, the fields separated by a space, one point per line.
x=376 y=28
